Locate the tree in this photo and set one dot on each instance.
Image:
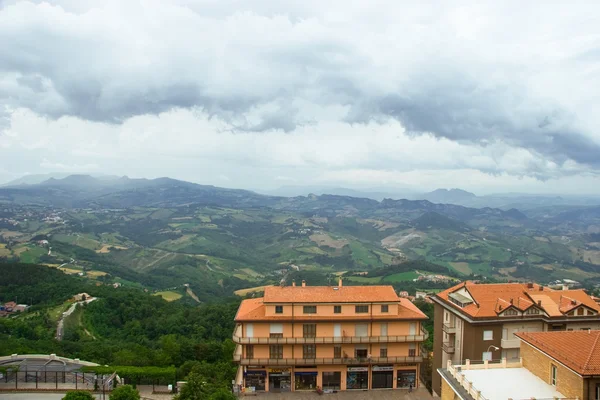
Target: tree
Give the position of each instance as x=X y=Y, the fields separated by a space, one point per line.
x=79 y=395
x=195 y=388
x=126 y=392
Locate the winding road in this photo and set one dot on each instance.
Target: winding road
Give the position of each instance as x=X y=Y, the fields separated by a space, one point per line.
x=61 y=322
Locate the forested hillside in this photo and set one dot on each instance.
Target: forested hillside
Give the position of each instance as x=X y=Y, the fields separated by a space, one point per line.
x=125 y=326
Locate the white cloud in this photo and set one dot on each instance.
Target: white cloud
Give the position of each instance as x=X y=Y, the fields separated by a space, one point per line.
x=263 y=92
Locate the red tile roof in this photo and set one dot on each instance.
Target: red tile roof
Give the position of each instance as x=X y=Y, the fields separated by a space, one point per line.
x=492 y=299
x=330 y=294
x=255 y=309
x=578 y=350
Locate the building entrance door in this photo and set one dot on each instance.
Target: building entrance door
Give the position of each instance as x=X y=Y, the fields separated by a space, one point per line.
x=382 y=377
x=280 y=381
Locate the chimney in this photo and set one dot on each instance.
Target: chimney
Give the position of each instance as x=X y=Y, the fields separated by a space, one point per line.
x=293 y=283
x=303 y=283
x=511 y=301
x=565 y=287
x=541 y=288
x=539 y=303
x=340 y=282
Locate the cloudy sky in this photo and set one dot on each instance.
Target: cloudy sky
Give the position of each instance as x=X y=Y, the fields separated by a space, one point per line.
x=488 y=96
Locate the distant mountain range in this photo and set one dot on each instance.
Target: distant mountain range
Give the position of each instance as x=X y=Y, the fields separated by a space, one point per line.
x=85 y=191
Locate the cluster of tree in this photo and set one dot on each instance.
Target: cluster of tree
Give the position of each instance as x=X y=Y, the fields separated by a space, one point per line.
x=36 y=285
x=413 y=265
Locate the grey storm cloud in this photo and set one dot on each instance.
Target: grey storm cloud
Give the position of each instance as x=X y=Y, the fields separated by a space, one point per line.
x=460 y=110
x=256 y=76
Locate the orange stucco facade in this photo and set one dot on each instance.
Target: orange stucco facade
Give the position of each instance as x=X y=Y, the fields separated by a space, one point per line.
x=334 y=338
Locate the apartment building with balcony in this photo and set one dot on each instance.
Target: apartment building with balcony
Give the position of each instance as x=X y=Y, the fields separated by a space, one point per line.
x=553 y=365
x=333 y=337
x=479 y=321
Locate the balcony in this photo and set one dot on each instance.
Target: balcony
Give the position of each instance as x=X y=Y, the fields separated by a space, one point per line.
x=449 y=348
x=449 y=327
x=322 y=361
x=510 y=343
x=334 y=340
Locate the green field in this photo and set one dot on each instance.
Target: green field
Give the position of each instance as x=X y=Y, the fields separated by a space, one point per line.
x=400 y=277
x=32 y=254
x=169 y=295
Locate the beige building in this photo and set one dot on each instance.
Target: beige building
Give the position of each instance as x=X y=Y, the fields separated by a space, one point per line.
x=479 y=321
x=553 y=365
x=332 y=337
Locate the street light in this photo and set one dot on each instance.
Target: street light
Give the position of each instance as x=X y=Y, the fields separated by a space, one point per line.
x=493 y=347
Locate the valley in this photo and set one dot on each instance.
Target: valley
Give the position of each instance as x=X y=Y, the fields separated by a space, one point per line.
x=219 y=241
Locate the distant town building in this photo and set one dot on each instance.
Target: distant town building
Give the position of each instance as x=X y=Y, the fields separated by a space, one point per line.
x=479 y=321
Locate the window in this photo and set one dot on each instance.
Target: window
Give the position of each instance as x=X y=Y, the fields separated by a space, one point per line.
x=383 y=329
x=309 y=351
x=487 y=355
x=276 y=331
x=580 y=311
x=412 y=350
x=511 y=312
x=276 y=351
x=250 y=351
x=309 y=330
x=361 y=330
x=383 y=351
x=337 y=309
x=553 y=374
x=278 y=309
x=488 y=335
x=309 y=309
x=337 y=351
x=361 y=309
x=532 y=311
x=361 y=352
x=385 y=308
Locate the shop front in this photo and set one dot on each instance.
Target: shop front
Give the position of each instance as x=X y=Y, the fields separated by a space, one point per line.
x=406 y=379
x=382 y=377
x=305 y=380
x=280 y=380
x=332 y=380
x=357 y=378
x=255 y=379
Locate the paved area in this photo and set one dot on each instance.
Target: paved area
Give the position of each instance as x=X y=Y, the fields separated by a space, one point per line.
x=418 y=394
x=36 y=396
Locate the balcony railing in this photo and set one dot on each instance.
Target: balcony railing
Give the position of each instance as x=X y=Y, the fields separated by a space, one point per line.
x=449 y=327
x=510 y=343
x=334 y=340
x=448 y=347
x=320 y=361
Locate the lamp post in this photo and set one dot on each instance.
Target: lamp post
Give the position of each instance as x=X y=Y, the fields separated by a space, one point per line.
x=494 y=348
